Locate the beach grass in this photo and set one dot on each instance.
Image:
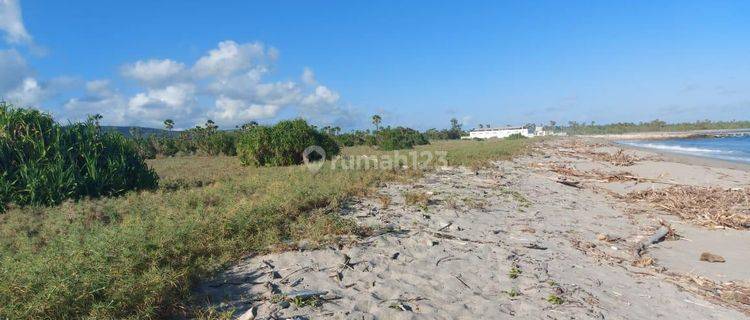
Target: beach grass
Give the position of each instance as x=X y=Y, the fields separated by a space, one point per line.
x=138 y=255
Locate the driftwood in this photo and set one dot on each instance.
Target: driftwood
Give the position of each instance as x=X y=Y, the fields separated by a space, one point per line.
x=570 y=183
x=655 y=238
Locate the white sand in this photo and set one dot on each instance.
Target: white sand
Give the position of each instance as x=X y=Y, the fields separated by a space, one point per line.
x=454 y=259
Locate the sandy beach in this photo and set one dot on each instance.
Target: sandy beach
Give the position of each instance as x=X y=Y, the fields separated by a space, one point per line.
x=576 y=229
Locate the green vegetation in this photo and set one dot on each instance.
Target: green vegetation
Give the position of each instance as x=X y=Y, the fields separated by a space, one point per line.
x=137 y=255
x=513 y=293
x=453 y=133
x=515 y=136
x=396 y=138
x=207 y=140
x=651 y=126
x=514 y=272
x=282 y=144
x=399 y=138
x=44 y=163
x=555 y=299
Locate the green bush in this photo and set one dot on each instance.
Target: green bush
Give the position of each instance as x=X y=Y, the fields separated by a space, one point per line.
x=220 y=142
x=282 y=144
x=399 y=138
x=515 y=136
x=44 y=163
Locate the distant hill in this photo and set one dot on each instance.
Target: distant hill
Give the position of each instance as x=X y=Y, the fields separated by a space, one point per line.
x=125 y=131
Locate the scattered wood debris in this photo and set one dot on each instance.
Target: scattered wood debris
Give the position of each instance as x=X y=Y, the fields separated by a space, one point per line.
x=707 y=206
x=643 y=262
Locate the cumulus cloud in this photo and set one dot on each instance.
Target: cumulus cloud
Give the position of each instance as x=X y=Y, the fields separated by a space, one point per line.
x=228 y=109
x=11 y=22
x=321 y=96
x=154 y=72
x=230 y=58
x=19 y=86
x=173 y=101
x=228 y=84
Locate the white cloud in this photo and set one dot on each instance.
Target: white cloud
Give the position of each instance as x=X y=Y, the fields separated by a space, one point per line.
x=28 y=93
x=231 y=58
x=308 y=77
x=154 y=71
x=234 y=110
x=228 y=85
x=13 y=71
x=101 y=99
x=321 y=96
x=11 y=22
x=175 y=97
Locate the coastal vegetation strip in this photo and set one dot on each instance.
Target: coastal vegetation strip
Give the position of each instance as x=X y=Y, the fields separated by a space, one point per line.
x=137 y=255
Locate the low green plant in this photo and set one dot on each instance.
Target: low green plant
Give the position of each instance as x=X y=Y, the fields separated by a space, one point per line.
x=513 y=293
x=555 y=299
x=282 y=144
x=514 y=272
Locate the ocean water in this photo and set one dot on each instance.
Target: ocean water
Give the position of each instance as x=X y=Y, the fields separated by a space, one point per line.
x=724 y=148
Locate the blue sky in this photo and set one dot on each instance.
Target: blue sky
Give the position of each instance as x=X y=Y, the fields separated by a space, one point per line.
x=417 y=63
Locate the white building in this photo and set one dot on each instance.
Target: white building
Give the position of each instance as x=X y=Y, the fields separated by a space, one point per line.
x=486 y=133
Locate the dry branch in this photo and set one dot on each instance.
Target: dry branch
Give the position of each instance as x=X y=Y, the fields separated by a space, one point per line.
x=707 y=206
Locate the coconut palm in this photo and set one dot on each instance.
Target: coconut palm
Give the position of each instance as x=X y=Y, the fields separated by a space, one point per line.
x=376 y=119
x=169 y=124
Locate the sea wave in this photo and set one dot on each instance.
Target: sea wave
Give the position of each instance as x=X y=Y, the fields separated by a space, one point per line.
x=680 y=149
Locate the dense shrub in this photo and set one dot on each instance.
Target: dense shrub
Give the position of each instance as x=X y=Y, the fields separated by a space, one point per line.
x=221 y=143
x=399 y=138
x=282 y=144
x=44 y=163
x=356 y=138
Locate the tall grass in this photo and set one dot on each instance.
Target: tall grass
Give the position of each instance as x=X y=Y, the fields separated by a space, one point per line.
x=43 y=163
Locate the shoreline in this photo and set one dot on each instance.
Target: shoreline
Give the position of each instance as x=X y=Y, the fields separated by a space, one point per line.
x=670 y=134
x=689 y=159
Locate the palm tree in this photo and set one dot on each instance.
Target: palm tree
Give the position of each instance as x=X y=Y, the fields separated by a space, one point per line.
x=96 y=118
x=376 y=119
x=169 y=124
x=249 y=125
x=211 y=125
